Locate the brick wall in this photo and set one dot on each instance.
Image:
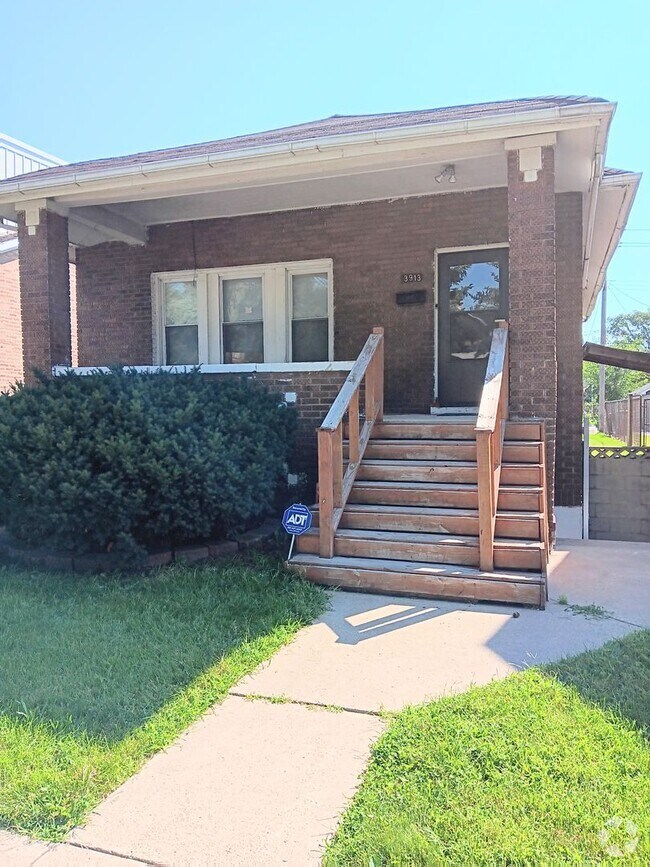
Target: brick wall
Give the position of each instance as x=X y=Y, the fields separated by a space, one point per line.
x=11 y=341
x=315 y=392
x=568 y=460
x=45 y=292
x=533 y=362
x=371 y=245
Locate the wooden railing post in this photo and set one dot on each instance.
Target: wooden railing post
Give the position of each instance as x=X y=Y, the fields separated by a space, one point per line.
x=325 y=493
x=353 y=428
x=490 y=432
x=337 y=465
x=378 y=362
x=484 y=460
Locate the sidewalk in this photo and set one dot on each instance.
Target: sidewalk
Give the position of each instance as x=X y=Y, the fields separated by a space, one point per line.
x=260 y=781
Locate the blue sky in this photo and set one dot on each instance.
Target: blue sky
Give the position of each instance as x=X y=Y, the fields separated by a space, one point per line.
x=97 y=78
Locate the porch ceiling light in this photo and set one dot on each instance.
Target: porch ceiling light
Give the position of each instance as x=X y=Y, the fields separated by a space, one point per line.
x=449 y=172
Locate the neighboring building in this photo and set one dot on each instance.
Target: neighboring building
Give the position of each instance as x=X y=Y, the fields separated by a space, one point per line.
x=16 y=158
x=279 y=252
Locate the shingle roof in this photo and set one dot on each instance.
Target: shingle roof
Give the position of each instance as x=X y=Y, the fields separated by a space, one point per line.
x=330 y=126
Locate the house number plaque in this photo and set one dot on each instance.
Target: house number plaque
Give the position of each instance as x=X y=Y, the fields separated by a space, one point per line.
x=411 y=278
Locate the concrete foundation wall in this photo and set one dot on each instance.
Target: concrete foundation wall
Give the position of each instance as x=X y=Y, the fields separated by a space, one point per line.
x=619 y=499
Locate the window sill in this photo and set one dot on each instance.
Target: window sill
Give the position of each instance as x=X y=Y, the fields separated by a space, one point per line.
x=270 y=367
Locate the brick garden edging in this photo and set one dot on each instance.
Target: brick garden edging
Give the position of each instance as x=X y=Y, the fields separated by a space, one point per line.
x=86 y=563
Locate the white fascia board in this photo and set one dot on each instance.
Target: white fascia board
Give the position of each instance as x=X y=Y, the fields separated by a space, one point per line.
x=312 y=150
x=630 y=181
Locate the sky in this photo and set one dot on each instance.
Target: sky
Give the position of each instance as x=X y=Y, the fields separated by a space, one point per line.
x=91 y=79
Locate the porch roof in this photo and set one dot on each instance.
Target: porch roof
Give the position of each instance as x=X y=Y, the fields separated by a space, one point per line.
x=340 y=160
x=336 y=125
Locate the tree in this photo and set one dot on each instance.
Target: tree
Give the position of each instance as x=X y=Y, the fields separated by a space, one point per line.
x=631 y=328
x=625 y=331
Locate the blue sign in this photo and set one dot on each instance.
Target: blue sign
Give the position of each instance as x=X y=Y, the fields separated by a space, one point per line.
x=297 y=519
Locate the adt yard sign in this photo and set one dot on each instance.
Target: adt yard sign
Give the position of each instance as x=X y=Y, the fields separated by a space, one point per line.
x=297 y=519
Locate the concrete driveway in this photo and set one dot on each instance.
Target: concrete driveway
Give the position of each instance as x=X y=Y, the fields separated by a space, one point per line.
x=263 y=777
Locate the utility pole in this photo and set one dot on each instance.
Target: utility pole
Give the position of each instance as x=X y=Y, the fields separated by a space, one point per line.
x=601 y=369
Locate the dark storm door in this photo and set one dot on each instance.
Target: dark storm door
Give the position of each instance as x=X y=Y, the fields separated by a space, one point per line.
x=472 y=294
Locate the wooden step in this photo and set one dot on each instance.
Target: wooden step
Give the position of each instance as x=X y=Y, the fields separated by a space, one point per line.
x=410 y=519
x=521 y=474
x=463 y=472
x=391 y=430
x=428 y=580
x=518 y=554
x=522 y=452
x=423 y=450
x=422 y=519
x=425 y=547
x=523 y=430
x=415 y=494
x=514 y=451
x=512 y=498
x=520 y=498
x=384 y=545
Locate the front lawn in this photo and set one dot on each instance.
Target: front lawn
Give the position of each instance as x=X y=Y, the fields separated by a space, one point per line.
x=596 y=438
x=99 y=673
x=524 y=770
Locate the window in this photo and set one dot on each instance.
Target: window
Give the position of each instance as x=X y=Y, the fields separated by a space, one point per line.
x=244 y=315
x=309 y=319
x=243 y=321
x=181 y=323
x=473 y=308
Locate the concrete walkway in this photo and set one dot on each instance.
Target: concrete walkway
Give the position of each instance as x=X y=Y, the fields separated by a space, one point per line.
x=263 y=777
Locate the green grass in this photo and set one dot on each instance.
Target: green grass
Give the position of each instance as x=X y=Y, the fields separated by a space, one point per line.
x=596 y=438
x=523 y=771
x=99 y=673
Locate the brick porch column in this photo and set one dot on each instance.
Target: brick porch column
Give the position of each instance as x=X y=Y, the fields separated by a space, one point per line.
x=44 y=291
x=533 y=347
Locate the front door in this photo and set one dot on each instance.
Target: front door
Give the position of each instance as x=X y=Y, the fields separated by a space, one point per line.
x=472 y=294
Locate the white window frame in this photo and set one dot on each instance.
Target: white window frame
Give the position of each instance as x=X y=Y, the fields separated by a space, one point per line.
x=276 y=308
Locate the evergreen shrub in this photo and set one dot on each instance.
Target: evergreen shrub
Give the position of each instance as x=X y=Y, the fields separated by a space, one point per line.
x=128 y=461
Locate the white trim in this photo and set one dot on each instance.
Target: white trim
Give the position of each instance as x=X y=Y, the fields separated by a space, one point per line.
x=271 y=367
x=275 y=302
x=439 y=251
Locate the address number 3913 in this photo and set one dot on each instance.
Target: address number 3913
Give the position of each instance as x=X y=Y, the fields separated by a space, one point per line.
x=411 y=278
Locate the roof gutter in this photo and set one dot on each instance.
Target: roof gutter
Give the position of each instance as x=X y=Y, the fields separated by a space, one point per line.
x=630 y=182
x=31 y=186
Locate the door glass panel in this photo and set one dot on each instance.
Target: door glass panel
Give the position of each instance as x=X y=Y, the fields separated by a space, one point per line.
x=181 y=318
x=243 y=330
x=473 y=308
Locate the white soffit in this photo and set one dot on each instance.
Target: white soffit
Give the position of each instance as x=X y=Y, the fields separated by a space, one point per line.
x=615 y=198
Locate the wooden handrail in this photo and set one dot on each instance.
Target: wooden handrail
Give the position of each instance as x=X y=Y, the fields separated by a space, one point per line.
x=490 y=430
x=334 y=485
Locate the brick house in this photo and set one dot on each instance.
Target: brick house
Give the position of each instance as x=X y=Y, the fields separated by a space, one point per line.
x=276 y=254
x=16 y=158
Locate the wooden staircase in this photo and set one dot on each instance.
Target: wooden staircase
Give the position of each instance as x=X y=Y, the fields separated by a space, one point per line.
x=405 y=516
